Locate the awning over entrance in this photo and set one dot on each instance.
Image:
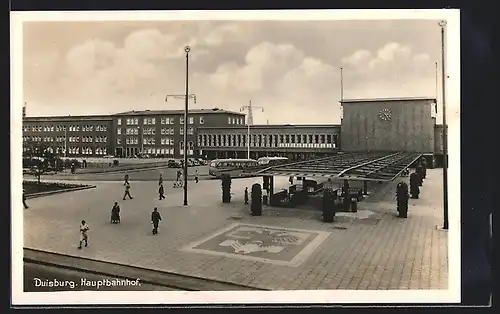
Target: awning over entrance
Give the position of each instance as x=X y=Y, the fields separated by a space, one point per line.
x=351 y=166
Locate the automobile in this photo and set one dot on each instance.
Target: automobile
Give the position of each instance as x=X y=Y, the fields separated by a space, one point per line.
x=173 y=164
x=201 y=161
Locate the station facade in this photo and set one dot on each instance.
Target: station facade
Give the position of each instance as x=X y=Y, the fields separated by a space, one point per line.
x=370 y=125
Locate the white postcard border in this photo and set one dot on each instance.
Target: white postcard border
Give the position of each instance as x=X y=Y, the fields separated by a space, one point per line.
x=451 y=295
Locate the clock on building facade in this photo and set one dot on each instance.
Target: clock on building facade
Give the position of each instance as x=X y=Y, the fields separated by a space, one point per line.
x=385 y=114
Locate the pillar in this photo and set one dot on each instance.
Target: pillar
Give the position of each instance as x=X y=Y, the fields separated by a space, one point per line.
x=271 y=189
x=365 y=187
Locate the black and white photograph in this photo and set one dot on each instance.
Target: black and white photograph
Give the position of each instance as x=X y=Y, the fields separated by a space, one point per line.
x=235 y=157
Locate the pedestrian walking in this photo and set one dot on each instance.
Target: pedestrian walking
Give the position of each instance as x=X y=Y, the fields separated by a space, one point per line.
x=155 y=220
x=179 y=173
x=290 y=179
x=160 y=180
x=127 y=191
x=115 y=213
x=246 y=195
x=84 y=237
x=161 y=192
x=196 y=176
x=24 y=200
x=126 y=179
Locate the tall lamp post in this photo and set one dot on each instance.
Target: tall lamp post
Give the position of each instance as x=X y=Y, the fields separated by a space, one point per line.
x=442 y=24
x=186 y=97
x=249 y=108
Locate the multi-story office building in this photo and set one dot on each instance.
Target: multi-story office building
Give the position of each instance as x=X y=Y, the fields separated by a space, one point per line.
x=71 y=136
x=126 y=134
x=161 y=132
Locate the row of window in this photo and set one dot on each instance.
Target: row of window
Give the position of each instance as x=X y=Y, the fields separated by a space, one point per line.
x=62 y=128
x=152 y=131
x=72 y=139
x=235 y=121
x=146 y=141
x=268 y=140
x=163 y=120
x=75 y=150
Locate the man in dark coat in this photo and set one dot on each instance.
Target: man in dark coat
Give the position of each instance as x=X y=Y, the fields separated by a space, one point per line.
x=402 y=199
x=24 y=200
x=155 y=220
x=420 y=173
x=115 y=213
x=246 y=195
x=161 y=192
x=126 y=179
x=424 y=167
x=414 y=185
x=160 y=180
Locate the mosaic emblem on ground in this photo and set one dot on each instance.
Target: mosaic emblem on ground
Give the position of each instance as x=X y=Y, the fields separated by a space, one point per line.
x=275 y=245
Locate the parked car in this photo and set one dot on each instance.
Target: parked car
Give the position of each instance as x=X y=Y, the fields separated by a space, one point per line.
x=173 y=164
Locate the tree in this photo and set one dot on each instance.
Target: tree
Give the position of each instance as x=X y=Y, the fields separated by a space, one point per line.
x=41 y=163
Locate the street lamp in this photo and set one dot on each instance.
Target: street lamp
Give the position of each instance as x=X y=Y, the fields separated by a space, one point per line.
x=442 y=24
x=249 y=121
x=186 y=97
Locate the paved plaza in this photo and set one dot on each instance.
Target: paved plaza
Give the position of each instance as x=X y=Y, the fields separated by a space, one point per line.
x=282 y=249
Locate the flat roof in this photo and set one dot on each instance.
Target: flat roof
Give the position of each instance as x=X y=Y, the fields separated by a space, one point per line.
x=68 y=118
x=387 y=99
x=375 y=166
x=268 y=126
x=177 y=111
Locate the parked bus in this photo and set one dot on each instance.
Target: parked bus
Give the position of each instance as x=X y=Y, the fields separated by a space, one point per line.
x=272 y=161
x=234 y=167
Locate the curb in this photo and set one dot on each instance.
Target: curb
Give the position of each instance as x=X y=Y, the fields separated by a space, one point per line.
x=42 y=194
x=148 y=276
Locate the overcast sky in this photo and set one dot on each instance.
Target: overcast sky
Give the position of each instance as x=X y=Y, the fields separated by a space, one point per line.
x=291 y=69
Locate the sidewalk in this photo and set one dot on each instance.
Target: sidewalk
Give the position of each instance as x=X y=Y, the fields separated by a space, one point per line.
x=283 y=249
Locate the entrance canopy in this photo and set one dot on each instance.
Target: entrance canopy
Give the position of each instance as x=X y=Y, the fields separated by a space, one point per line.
x=350 y=166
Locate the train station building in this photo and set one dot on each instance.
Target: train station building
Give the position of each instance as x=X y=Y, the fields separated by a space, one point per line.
x=367 y=125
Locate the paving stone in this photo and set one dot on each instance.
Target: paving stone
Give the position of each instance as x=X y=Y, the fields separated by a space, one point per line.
x=392 y=253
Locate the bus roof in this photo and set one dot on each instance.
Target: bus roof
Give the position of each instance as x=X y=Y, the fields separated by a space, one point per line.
x=234 y=159
x=272 y=158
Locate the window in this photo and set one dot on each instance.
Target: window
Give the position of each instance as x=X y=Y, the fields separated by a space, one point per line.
x=149 y=121
x=119 y=121
x=322 y=138
x=171 y=131
x=191 y=120
x=328 y=138
x=190 y=131
x=149 y=131
x=229 y=120
x=172 y=120
x=181 y=120
x=202 y=120
x=182 y=131
x=234 y=121
x=119 y=131
x=316 y=138
x=118 y=141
